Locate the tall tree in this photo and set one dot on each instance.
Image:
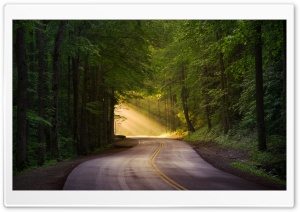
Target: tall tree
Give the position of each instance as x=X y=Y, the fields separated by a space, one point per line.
x=83 y=128
x=184 y=101
x=20 y=50
x=284 y=72
x=112 y=115
x=56 y=68
x=260 y=113
x=40 y=43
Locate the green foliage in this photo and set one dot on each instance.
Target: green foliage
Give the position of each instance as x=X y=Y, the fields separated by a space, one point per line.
x=34 y=119
x=94 y=108
x=66 y=147
x=200 y=135
x=248 y=167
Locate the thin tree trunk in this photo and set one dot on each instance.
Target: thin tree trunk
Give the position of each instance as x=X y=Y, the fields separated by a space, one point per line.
x=20 y=50
x=105 y=117
x=207 y=112
x=75 y=67
x=284 y=73
x=172 y=115
x=184 y=101
x=40 y=43
x=69 y=93
x=224 y=97
x=207 y=101
x=31 y=72
x=262 y=145
x=56 y=68
x=166 y=117
x=158 y=107
x=112 y=116
x=83 y=140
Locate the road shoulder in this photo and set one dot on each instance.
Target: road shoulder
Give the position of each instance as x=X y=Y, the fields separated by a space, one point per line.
x=221 y=158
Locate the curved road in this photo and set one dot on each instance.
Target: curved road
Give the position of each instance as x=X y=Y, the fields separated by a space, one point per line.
x=154 y=164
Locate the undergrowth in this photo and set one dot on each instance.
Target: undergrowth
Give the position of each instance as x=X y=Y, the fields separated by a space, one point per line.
x=270 y=164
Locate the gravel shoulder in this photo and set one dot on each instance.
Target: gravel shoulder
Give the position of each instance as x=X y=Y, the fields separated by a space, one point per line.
x=54 y=177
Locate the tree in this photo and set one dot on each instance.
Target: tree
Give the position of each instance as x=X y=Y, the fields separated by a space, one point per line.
x=56 y=68
x=184 y=101
x=40 y=43
x=262 y=145
x=20 y=50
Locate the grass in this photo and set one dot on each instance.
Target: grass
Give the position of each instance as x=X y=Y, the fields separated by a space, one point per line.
x=270 y=164
x=252 y=169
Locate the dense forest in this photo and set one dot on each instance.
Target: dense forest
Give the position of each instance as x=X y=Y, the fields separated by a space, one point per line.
x=220 y=80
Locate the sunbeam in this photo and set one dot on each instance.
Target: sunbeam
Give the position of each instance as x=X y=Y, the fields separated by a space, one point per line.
x=136 y=123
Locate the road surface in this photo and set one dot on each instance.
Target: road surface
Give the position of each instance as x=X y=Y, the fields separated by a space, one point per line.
x=154 y=164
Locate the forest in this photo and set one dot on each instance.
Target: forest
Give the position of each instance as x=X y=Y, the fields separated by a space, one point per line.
x=208 y=80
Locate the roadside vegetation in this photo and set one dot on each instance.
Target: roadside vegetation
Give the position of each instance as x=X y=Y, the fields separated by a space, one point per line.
x=269 y=164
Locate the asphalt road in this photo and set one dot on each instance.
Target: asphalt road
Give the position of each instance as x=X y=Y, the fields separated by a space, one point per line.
x=154 y=164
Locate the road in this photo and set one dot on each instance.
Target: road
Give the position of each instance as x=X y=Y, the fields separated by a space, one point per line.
x=154 y=164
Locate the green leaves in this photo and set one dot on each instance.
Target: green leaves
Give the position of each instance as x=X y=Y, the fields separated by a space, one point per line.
x=33 y=118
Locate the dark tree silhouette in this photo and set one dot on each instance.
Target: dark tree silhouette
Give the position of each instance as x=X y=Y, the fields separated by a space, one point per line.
x=20 y=55
x=260 y=112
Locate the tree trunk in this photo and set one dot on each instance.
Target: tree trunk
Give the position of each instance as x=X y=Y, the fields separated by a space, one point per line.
x=40 y=43
x=105 y=116
x=158 y=108
x=207 y=112
x=184 y=102
x=83 y=134
x=69 y=95
x=207 y=100
x=112 y=116
x=172 y=114
x=75 y=67
x=166 y=116
x=284 y=74
x=56 y=68
x=31 y=72
x=224 y=89
x=224 y=98
x=20 y=50
x=262 y=145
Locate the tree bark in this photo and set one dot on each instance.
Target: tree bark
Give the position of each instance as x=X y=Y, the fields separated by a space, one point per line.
x=284 y=73
x=69 y=94
x=158 y=108
x=112 y=116
x=83 y=134
x=56 y=68
x=75 y=67
x=40 y=43
x=184 y=101
x=207 y=112
x=207 y=100
x=21 y=156
x=262 y=145
x=31 y=71
x=224 y=97
x=105 y=116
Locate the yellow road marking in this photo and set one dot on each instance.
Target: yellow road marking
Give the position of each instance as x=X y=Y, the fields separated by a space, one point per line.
x=159 y=173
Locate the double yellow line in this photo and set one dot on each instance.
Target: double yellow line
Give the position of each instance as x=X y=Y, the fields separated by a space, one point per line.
x=159 y=173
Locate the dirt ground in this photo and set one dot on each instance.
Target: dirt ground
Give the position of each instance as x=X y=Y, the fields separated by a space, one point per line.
x=54 y=177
